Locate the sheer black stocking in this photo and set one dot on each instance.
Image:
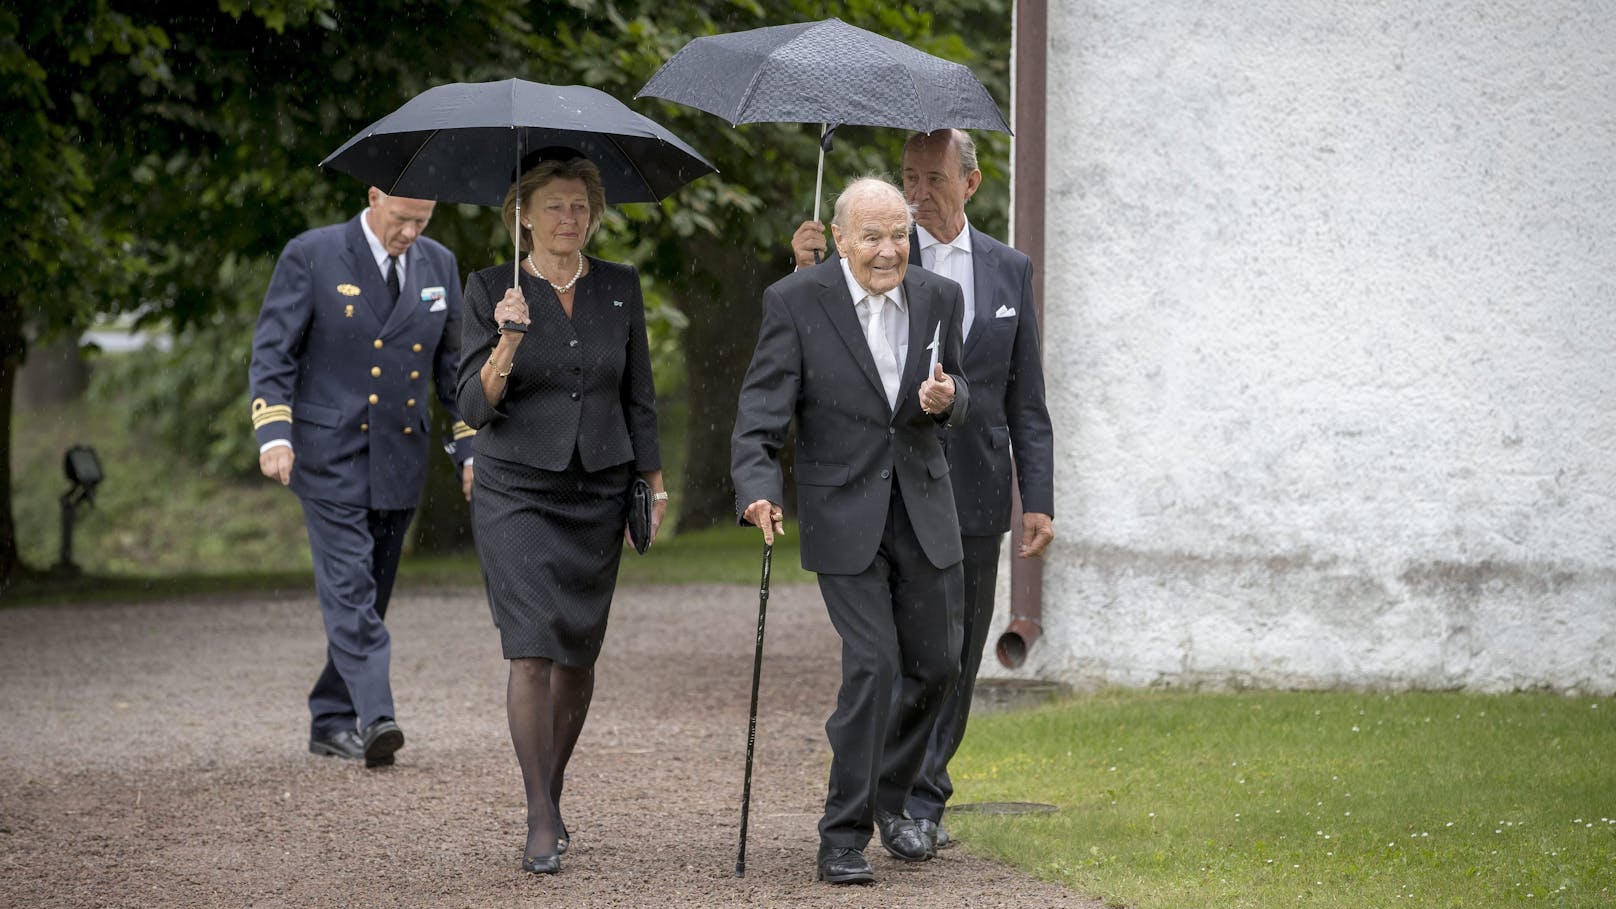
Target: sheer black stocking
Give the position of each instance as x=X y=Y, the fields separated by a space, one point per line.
x=571 y=688
x=546 y=704
x=528 y=708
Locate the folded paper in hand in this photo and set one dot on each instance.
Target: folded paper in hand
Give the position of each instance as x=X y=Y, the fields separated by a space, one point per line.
x=639 y=515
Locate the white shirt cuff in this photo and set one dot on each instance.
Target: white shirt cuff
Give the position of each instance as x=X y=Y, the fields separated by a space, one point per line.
x=274 y=443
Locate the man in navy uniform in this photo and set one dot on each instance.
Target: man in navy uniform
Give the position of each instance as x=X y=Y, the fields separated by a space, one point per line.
x=360 y=323
x=1008 y=420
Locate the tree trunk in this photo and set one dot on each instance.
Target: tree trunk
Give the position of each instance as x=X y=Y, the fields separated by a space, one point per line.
x=717 y=346
x=13 y=350
x=55 y=374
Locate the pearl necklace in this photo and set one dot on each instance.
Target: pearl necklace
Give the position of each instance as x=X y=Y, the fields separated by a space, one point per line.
x=559 y=288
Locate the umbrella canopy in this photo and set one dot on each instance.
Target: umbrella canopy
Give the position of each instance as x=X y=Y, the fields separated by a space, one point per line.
x=461 y=143
x=804 y=73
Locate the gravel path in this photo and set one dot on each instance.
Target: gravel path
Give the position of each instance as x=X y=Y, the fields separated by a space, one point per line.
x=154 y=755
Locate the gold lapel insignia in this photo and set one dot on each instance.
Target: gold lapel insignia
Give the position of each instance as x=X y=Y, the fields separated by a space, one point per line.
x=348 y=290
x=348 y=310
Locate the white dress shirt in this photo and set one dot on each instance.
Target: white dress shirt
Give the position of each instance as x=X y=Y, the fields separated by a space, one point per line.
x=379 y=252
x=953 y=261
x=895 y=325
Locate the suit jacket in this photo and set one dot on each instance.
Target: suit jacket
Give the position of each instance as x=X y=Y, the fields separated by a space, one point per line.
x=1008 y=414
x=813 y=364
x=580 y=384
x=347 y=386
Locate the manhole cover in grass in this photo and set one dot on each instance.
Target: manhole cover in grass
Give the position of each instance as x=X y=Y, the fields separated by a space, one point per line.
x=1003 y=808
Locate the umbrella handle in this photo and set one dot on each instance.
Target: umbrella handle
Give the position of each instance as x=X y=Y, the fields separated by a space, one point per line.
x=516 y=220
x=819 y=177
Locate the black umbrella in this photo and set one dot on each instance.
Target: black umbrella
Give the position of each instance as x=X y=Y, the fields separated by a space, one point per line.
x=462 y=143
x=826 y=72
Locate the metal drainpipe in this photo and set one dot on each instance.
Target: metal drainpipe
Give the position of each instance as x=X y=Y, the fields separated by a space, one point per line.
x=1030 y=49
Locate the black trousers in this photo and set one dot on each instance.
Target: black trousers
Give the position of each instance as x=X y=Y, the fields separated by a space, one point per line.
x=356 y=552
x=899 y=621
x=932 y=788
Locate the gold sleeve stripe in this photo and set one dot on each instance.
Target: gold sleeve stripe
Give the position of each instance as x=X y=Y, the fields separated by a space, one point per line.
x=462 y=431
x=270 y=413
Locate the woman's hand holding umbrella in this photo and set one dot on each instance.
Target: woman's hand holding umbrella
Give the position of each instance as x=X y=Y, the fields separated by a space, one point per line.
x=511 y=313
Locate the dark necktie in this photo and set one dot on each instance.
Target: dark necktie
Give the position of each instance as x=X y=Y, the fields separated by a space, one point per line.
x=392 y=278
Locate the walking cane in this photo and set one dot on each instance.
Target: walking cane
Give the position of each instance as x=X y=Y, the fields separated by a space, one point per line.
x=751 y=721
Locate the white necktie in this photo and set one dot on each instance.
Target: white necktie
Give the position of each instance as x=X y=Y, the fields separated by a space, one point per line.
x=886 y=361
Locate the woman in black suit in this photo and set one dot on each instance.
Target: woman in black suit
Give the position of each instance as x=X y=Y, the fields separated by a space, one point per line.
x=565 y=412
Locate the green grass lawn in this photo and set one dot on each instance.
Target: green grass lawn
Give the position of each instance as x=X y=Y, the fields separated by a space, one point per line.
x=1270 y=799
x=161 y=528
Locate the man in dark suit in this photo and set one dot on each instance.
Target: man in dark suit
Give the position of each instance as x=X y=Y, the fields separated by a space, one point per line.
x=1008 y=418
x=864 y=353
x=360 y=323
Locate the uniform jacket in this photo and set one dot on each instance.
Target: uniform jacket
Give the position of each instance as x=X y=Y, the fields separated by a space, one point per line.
x=348 y=389
x=580 y=384
x=813 y=364
x=1008 y=413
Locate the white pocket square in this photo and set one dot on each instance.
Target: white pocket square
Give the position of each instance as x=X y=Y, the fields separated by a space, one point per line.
x=438 y=306
x=1004 y=312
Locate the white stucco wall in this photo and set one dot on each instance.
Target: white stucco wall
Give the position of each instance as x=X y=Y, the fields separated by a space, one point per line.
x=1331 y=344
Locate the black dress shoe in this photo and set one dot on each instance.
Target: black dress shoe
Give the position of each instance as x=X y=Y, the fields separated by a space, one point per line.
x=542 y=864
x=901 y=838
x=928 y=831
x=842 y=866
x=344 y=743
x=382 y=738
x=941 y=839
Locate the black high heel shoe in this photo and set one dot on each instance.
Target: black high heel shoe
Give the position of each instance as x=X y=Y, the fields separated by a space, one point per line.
x=542 y=864
x=563 y=841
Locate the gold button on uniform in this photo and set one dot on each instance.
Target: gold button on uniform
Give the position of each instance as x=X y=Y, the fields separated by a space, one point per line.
x=364 y=427
x=378 y=343
x=415 y=374
x=376 y=371
x=410 y=403
x=416 y=348
x=408 y=430
x=374 y=399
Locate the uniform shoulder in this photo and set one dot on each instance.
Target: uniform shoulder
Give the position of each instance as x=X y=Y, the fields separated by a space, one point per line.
x=323 y=235
x=433 y=248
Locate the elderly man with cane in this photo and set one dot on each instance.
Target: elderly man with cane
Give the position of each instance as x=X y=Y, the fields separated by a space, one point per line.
x=1009 y=421
x=864 y=354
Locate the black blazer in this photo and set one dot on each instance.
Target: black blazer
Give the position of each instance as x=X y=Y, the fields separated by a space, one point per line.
x=1008 y=419
x=581 y=384
x=813 y=364
x=1008 y=414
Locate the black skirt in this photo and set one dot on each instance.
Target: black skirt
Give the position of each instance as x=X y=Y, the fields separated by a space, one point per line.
x=550 y=543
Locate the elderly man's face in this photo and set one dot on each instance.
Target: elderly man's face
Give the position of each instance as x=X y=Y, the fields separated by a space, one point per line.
x=933 y=184
x=397 y=221
x=875 y=241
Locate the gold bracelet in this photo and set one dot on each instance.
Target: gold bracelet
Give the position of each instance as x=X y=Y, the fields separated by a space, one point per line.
x=497 y=371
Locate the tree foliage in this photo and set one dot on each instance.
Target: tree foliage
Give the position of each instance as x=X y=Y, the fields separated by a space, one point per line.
x=159 y=154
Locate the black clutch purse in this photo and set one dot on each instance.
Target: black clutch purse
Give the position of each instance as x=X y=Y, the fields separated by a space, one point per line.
x=639 y=515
